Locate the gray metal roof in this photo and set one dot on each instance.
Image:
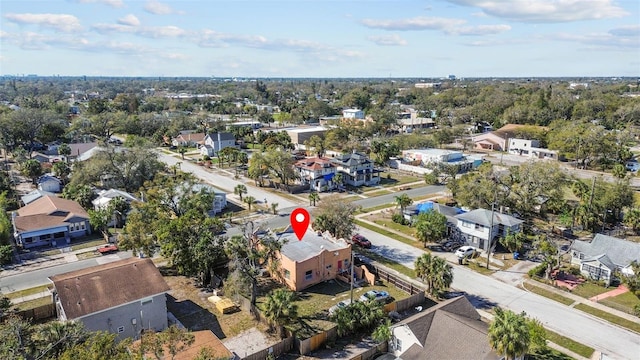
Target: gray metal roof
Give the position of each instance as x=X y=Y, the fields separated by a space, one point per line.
x=310 y=245
x=620 y=252
x=483 y=217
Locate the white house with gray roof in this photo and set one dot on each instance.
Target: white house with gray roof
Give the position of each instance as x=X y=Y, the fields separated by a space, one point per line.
x=476 y=227
x=214 y=142
x=604 y=255
x=357 y=168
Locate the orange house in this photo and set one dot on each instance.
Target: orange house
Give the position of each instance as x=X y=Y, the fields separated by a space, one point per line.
x=312 y=260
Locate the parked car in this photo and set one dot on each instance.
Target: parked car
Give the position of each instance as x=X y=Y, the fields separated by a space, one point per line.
x=340 y=305
x=361 y=241
x=465 y=252
x=378 y=295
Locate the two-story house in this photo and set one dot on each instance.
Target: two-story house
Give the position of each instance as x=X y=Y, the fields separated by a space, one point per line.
x=49 y=220
x=478 y=228
x=123 y=297
x=214 y=142
x=356 y=114
x=357 y=169
x=317 y=172
x=313 y=259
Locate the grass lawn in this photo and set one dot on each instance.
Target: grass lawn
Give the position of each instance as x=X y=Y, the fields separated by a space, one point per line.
x=398 y=180
x=623 y=302
x=384 y=232
x=32 y=304
x=89 y=242
x=395 y=226
x=376 y=193
x=388 y=263
x=374 y=208
x=587 y=290
x=479 y=265
x=569 y=344
x=609 y=317
x=25 y=292
x=88 y=255
x=548 y=294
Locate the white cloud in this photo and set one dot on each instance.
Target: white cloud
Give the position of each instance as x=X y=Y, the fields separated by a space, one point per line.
x=158 y=8
x=388 y=40
x=601 y=40
x=145 y=31
x=417 y=23
x=478 y=30
x=58 y=22
x=547 y=11
x=130 y=20
x=627 y=30
x=112 y=3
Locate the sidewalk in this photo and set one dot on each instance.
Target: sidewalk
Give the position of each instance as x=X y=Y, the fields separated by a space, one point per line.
x=45 y=261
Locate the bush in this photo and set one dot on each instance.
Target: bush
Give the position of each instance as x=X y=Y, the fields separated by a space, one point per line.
x=206 y=158
x=537 y=271
x=574 y=271
x=399 y=218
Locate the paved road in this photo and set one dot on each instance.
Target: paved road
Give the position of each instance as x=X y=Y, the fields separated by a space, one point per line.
x=485 y=291
x=390 y=198
x=224 y=182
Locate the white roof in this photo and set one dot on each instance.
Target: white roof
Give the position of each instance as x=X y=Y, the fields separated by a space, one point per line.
x=309 y=129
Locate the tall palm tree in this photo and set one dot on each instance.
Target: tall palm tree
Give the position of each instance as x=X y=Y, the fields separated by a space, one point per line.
x=249 y=200
x=338 y=179
x=239 y=190
x=55 y=337
x=509 y=333
x=280 y=308
x=403 y=201
x=274 y=208
x=313 y=197
x=435 y=271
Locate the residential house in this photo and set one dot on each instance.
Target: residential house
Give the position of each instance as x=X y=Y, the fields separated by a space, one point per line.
x=219 y=202
x=214 y=142
x=188 y=139
x=80 y=149
x=34 y=195
x=477 y=227
x=122 y=297
x=317 y=172
x=604 y=255
x=355 y=114
x=313 y=259
x=300 y=135
x=411 y=124
x=49 y=220
x=50 y=184
x=434 y=157
x=450 y=212
x=531 y=148
x=452 y=329
x=105 y=197
x=499 y=140
x=357 y=169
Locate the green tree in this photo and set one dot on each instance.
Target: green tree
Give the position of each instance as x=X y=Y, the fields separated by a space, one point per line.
x=338 y=179
x=99 y=220
x=65 y=150
x=239 y=190
x=633 y=281
x=403 y=201
x=173 y=340
x=139 y=234
x=546 y=248
x=258 y=168
x=315 y=143
x=313 y=197
x=82 y=194
x=619 y=171
x=431 y=226
x=435 y=271
x=33 y=169
x=509 y=333
x=335 y=216
x=249 y=253
x=274 y=208
x=280 y=163
x=249 y=200
x=62 y=170
x=280 y=309
x=513 y=240
x=182 y=150
x=632 y=219
x=383 y=332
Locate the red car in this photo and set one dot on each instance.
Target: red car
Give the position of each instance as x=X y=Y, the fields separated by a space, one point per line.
x=361 y=241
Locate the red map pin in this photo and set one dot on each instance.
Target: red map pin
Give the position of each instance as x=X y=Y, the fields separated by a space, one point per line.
x=299 y=222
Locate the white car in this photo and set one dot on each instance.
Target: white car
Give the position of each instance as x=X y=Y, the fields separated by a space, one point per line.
x=465 y=251
x=340 y=305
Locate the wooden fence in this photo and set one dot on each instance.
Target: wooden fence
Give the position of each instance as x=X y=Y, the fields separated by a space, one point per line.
x=316 y=341
x=409 y=287
x=42 y=312
x=274 y=350
x=369 y=354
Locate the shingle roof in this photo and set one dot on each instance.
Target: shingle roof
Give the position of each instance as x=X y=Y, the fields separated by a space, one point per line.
x=483 y=217
x=314 y=163
x=620 y=252
x=440 y=328
x=224 y=136
x=351 y=159
x=311 y=245
x=86 y=291
x=48 y=211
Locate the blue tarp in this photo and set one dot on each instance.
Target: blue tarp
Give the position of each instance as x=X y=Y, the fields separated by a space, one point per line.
x=424 y=207
x=328 y=177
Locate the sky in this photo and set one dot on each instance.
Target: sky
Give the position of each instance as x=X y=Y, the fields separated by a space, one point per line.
x=321 y=38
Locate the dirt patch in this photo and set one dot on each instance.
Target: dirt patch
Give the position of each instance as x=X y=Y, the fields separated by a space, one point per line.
x=189 y=304
x=249 y=342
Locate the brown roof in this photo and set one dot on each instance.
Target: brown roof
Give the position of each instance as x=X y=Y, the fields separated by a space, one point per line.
x=48 y=211
x=314 y=163
x=202 y=339
x=195 y=137
x=449 y=330
x=101 y=287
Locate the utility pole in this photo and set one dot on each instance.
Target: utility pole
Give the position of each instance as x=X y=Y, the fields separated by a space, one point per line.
x=490 y=244
x=351 y=275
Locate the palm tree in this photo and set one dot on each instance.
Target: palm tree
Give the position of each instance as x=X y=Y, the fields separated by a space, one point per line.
x=431 y=226
x=435 y=271
x=182 y=150
x=509 y=333
x=383 y=332
x=249 y=200
x=55 y=337
x=274 y=208
x=239 y=190
x=280 y=309
x=632 y=218
x=313 y=197
x=338 y=179
x=403 y=201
